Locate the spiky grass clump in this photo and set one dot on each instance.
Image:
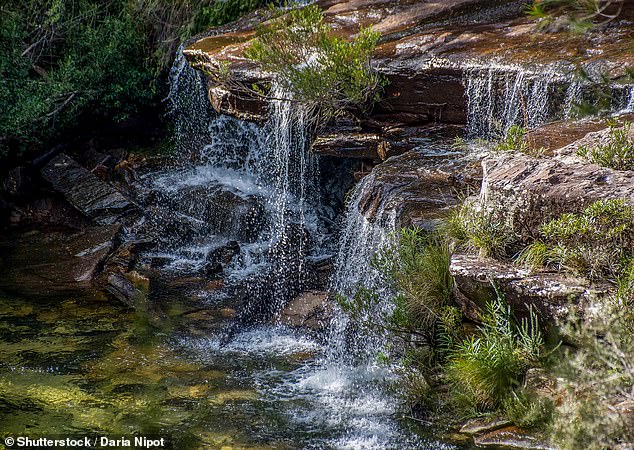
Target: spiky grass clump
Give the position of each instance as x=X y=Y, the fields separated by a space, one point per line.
x=474 y=229
x=417 y=265
x=515 y=140
x=595 y=243
x=485 y=369
x=617 y=153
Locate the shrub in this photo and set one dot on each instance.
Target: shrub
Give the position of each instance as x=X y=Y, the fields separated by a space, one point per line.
x=417 y=265
x=617 y=153
x=595 y=243
x=320 y=69
x=515 y=140
x=485 y=369
x=474 y=229
x=62 y=59
x=598 y=375
x=574 y=15
x=527 y=409
x=414 y=268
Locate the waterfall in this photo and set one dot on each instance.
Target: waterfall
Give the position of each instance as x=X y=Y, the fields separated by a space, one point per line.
x=629 y=106
x=252 y=187
x=501 y=96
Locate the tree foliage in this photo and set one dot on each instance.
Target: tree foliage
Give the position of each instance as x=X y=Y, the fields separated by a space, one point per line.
x=61 y=59
x=574 y=15
x=318 y=68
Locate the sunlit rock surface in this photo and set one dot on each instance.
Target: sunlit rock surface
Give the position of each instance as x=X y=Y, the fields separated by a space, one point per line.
x=552 y=296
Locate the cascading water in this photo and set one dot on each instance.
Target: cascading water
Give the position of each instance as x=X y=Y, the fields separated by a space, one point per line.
x=260 y=186
x=498 y=97
x=252 y=187
x=501 y=96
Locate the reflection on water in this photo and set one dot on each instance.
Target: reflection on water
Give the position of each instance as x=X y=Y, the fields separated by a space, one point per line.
x=77 y=363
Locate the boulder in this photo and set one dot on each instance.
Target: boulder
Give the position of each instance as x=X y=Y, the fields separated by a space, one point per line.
x=514 y=437
x=308 y=310
x=56 y=263
x=421 y=186
x=93 y=197
x=553 y=296
x=525 y=192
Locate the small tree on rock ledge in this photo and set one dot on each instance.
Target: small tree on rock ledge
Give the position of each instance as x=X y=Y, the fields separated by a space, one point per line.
x=327 y=73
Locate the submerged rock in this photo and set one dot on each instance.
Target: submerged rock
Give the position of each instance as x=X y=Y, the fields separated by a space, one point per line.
x=309 y=310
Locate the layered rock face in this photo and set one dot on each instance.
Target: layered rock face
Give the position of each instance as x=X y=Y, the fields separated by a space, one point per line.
x=428 y=51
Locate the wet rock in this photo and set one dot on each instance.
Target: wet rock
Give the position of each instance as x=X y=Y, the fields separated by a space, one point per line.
x=54 y=263
x=219 y=257
x=96 y=199
x=421 y=186
x=525 y=192
x=484 y=425
x=552 y=295
x=514 y=437
x=219 y=209
x=590 y=140
x=309 y=310
x=352 y=145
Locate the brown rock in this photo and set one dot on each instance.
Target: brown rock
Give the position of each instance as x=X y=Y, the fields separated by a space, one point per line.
x=307 y=310
x=553 y=296
x=525 y=192
x=514 y=437
x=95 y=198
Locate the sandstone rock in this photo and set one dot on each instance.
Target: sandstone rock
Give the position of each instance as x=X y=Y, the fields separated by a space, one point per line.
x=421 y=186
x=56 y=263
x=525 y=192
x=308 y=310
x=96 y=199
x=553 y=296
x=514 y=437
x=351 y=145
x=590 y=140
x=484 y=425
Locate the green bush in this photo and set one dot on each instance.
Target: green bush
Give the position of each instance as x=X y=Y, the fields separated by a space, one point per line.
x=415 y=267
x=515 y=140
x=485 y=369
x=474 y=229
x=617 y=153
x=417 y=264
x=64 y=59
x=596 y=243
x=597 y=374
x=320 y=69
